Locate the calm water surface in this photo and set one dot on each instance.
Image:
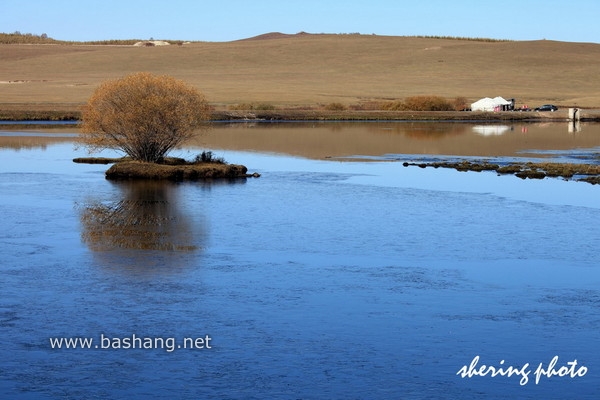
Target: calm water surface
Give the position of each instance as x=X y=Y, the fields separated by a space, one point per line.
x=321 y=279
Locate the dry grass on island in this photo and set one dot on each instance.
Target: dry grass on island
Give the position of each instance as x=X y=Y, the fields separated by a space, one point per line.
x=184 y=172
x=204 y=166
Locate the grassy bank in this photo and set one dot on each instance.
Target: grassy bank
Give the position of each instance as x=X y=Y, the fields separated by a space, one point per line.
x=316 y=114
x=39 y=115
x=380 y=115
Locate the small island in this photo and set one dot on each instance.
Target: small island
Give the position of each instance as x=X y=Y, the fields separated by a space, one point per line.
x=204 y=166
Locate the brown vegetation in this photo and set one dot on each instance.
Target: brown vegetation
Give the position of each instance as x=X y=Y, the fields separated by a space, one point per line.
x=419 y=103
x=188 y=171
x=100 y=160
x=584 y=172
x=336 y=106
x=143 y=115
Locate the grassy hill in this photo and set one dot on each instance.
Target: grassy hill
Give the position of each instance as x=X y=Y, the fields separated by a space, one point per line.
x=306 y=70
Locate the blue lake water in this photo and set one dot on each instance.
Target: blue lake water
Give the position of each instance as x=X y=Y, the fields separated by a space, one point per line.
x=320 y=279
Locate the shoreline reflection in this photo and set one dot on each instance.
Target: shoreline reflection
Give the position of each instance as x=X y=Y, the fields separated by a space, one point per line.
x=339 y=140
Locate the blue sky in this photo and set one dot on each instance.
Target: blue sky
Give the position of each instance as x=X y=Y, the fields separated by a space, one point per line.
x=222 y=20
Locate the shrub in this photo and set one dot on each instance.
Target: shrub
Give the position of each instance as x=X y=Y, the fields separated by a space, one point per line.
x=335 y=107
x=143 y=115
x=395 y=105
x=461 y=104
x=427 y=103
x=208 y=157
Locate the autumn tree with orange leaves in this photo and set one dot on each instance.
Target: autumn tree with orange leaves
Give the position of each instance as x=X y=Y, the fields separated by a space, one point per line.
x=143 y=115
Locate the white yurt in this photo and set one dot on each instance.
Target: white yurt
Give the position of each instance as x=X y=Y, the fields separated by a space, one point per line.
x=489 y=104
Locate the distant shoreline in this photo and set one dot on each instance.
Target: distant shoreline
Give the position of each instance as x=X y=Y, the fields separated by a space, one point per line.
x=374 y=115
x=328 y=115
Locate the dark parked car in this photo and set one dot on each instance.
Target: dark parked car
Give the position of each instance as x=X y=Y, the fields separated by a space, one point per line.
x=547 y=107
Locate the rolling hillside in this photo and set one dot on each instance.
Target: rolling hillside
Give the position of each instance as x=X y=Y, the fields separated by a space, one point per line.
x=306 y=69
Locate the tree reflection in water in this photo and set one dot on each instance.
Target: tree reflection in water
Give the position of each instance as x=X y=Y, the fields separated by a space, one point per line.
x=146 y=217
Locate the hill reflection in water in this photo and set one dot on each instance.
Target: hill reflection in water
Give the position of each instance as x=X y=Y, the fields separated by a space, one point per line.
x=316 y=140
